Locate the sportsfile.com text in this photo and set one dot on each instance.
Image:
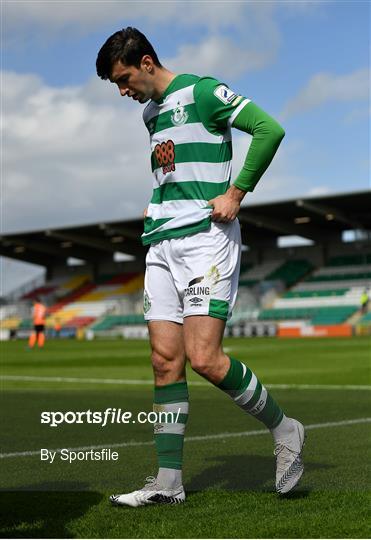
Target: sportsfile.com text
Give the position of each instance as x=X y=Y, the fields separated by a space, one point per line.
x=107 y=417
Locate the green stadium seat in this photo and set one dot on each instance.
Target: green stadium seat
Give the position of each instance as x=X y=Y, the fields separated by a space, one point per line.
x=110 y=321
x=316 y=315
x=291 y=271
x=350 y=260
x=319 y=293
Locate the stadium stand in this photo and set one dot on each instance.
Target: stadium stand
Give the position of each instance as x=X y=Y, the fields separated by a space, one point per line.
x=96 y=300
x=319 y=284
x=112 y=321
x=316 y=315
x=291 y=271
x=366 y=319
x=11 y=323
x=258 y=273
x=57 y=288
x=330 y=295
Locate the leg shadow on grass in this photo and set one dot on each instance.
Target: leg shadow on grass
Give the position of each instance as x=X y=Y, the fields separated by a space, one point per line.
x=244 y=473
x=237 y=473
x=37 y=513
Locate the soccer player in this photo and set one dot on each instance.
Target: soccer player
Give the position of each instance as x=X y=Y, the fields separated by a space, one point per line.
x=192 y=266
x=38 y=315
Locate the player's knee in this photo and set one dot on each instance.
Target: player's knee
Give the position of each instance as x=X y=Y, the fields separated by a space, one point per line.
x=202 y=362
x=161 y=365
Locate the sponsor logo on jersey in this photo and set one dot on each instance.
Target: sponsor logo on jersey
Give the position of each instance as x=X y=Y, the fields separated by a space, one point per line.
x=179 y=116
x=197 y=291
x=195 y=280
x=165 y=156
x=207 y=281
x=224 y=94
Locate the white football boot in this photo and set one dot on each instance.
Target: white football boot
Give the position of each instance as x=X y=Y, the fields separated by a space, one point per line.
x=288 y=452
x=151 y=493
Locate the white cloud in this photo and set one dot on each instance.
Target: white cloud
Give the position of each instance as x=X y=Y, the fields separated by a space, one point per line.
x=80 y=154
x=253 y=42
x=56 y=15
x=82 y=16
x=253 y=25
x=358 y=114
x=324 y=87
x=71 y=155
x=318 y=191
x=218 y=56
x=75 y=153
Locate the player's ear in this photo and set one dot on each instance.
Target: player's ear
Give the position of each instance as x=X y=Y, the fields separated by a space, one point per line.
x=147 y=63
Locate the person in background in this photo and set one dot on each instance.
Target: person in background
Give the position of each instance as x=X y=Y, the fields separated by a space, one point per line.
x=38 y=315
x=364 y=301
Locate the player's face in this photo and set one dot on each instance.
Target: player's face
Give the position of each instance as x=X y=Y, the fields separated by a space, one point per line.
x=133 y=82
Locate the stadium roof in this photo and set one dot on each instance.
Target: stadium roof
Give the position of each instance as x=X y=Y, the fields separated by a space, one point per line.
x=316 y=218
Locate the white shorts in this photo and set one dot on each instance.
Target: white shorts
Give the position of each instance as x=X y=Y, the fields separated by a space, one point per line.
x=193 y=275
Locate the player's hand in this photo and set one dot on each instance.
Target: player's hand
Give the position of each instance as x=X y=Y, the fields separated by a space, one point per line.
x=227 y=206
x=145 y=213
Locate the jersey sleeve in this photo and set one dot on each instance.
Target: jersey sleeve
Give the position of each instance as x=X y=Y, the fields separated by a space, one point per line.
x=267 y=135
x=217 y=105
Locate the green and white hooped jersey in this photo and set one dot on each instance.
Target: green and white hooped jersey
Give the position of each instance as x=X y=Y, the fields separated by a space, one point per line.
x=191 y=153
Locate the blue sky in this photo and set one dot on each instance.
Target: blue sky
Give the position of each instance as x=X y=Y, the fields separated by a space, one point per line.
x=326 y=35
x=77 y=149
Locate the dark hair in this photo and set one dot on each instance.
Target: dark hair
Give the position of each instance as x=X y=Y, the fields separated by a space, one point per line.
x=127 y=45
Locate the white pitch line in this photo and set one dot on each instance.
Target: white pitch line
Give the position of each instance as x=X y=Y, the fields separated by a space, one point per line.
x=188 y=439
x=88 y=380
x=191 y=383
x=320 y=386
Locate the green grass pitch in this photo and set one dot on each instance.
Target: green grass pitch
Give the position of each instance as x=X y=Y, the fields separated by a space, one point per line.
x=228 y=471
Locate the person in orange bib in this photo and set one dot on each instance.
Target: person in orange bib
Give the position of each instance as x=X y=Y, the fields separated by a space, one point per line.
x=38 y=315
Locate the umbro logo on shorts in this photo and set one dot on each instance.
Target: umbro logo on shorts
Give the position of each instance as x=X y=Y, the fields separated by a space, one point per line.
x=195 y=301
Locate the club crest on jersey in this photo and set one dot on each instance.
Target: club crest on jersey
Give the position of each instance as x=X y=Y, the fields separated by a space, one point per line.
x=179 y=116
x=224 y=94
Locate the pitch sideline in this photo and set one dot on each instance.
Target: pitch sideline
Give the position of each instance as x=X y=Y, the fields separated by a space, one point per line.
x=82 y=380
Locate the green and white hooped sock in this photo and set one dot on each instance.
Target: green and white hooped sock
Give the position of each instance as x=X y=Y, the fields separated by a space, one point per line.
x=246 y=390
x=169 y=436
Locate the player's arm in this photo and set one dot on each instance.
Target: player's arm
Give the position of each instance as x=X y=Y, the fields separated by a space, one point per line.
x=267 y=135
x=219 y=108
